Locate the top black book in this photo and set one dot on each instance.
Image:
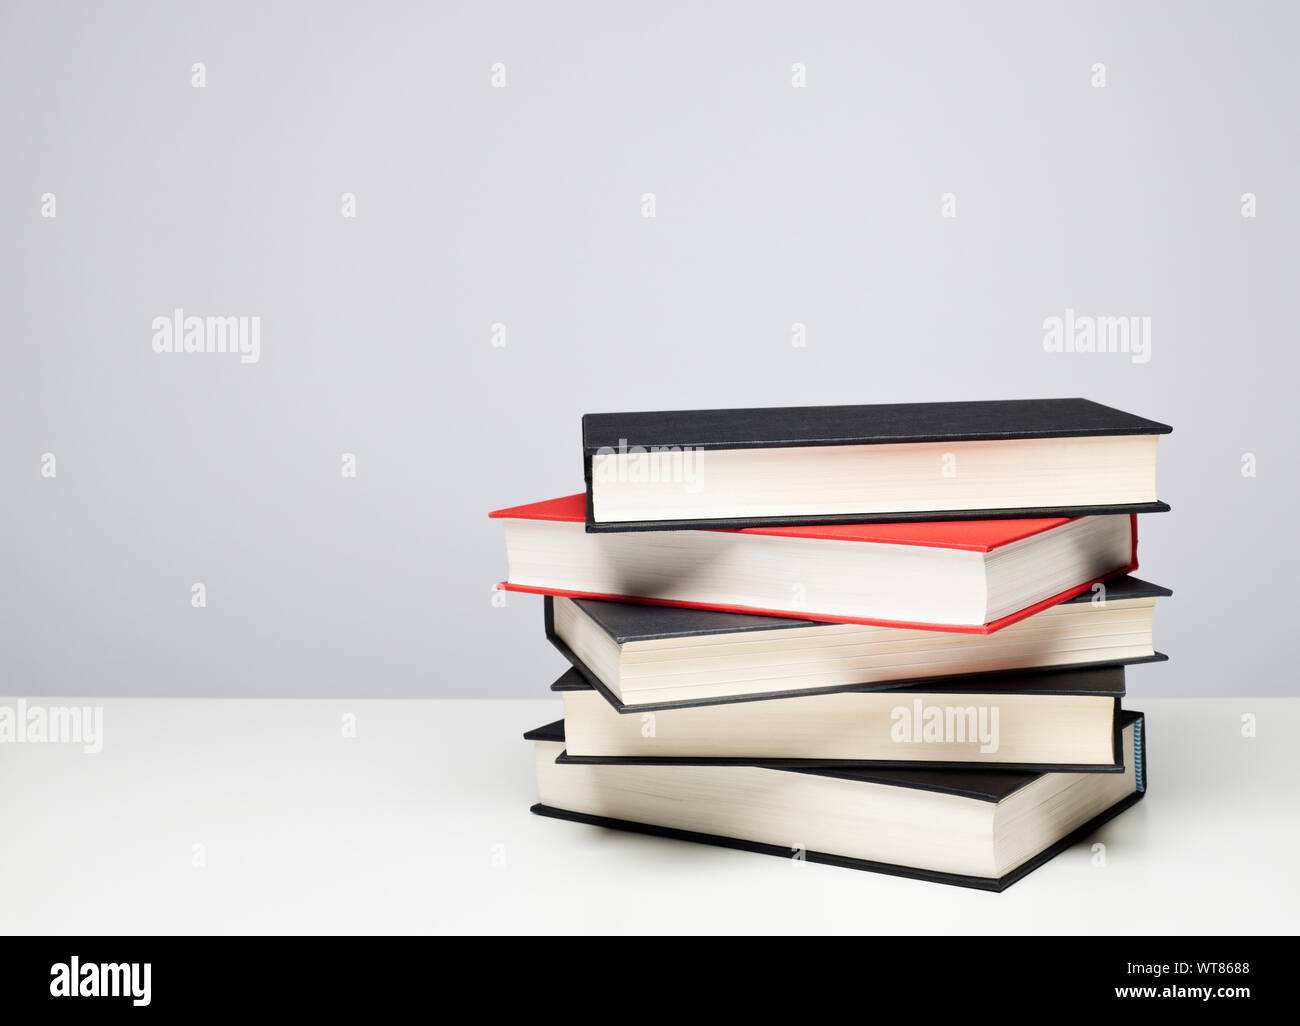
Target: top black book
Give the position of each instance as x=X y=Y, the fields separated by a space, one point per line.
x=784 y=426
x=793 y=466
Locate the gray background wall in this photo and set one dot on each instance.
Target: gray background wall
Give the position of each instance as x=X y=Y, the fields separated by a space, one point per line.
x=522 y=205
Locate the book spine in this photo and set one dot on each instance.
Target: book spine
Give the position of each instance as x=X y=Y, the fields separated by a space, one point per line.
x=1139 y=774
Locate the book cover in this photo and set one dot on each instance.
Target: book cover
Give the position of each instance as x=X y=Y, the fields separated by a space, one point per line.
x=978 y=785
x=702 y=431
x=981 y=536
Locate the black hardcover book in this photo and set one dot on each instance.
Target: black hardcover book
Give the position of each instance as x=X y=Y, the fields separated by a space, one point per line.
x=666 y=657
x=974 y=828
x=1064 y=721
x=790 y=466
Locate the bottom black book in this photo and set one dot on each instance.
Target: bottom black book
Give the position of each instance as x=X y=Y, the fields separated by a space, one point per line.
x=972 y=828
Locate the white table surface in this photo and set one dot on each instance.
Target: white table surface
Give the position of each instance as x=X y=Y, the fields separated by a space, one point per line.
x=420 y=824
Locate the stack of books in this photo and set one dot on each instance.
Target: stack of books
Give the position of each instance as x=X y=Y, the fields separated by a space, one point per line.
x=890 y=638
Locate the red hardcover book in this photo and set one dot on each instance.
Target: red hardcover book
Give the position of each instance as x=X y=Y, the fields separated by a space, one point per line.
x=974 y=576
